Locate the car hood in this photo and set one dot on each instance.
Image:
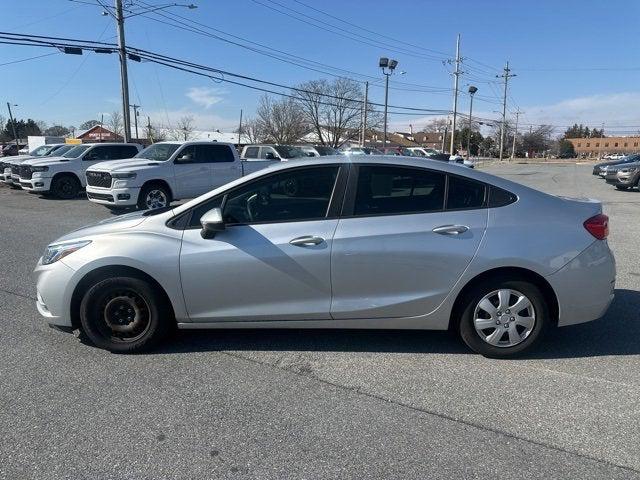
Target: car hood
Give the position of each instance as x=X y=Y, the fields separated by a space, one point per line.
x=16 y=159
x=125 y=165
x=47 y=161
x=110 y=225
x=622 y=166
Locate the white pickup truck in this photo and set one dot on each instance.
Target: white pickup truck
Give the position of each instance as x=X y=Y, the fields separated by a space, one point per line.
x=167 y=171
x=10 y=164
x=63 y=176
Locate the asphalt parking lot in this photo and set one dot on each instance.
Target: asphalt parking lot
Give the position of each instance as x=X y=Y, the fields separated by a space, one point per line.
x=318 y=404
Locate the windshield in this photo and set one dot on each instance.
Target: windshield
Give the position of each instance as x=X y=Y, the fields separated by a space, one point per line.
x=40 y=151
x=59 y=150
x=76 y=151
x=286 y=151
x=159 y=152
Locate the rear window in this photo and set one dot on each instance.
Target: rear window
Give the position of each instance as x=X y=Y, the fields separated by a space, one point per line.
x=251 y=152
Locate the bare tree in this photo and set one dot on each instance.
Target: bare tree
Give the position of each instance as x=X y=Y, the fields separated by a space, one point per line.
x=183 y=129
x=115 y=123
x=436 y=125
x=251 y=131
x=334 y=109
x=281 y=121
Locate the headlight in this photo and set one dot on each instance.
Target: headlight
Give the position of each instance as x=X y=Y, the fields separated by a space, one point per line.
x=56 y=251
x=39 y=169
x=124 y=175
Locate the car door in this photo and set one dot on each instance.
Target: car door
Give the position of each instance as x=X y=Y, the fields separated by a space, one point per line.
x=400 y=248
x=222 y=164
x=272 y=261
x=192 y=177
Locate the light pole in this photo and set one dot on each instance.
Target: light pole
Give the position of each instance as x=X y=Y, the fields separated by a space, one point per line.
x=13 y=125
x=118 y=13
x=472 y=91
x=387 y=66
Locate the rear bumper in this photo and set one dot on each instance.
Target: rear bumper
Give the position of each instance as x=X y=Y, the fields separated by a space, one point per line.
x=114 y=197
x=585 y=286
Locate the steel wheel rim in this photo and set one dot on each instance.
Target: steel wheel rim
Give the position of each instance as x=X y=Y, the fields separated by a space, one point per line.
x=126 y=316
x=156 y=199
x=504 y=318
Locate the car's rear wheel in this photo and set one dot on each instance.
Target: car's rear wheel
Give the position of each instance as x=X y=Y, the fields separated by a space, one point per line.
x=66 y=187
x=503 y=318
x=125 y=315
x=154 y=196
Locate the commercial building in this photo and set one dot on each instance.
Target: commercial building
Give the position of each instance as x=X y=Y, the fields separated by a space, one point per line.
x=597 y=147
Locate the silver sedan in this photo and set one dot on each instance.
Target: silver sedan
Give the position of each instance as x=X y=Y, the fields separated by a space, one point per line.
x=339 y=242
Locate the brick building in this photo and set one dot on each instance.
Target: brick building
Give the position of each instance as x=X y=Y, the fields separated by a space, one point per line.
x=597 y=147
x=98 y=134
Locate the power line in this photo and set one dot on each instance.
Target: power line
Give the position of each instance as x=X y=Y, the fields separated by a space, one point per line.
x=30 y=58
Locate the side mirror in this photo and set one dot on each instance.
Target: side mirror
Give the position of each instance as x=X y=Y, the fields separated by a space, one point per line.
x=212 y=223
x=310 y=154
x=186 y=158
x=270 y=156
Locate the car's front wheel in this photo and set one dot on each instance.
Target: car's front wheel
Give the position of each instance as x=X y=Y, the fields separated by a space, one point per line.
x=154 y=196
x=66 y=187
x=125 y=315
x=622 y=187
x=503 y=318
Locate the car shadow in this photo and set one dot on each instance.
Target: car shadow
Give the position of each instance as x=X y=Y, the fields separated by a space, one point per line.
x=617 y=333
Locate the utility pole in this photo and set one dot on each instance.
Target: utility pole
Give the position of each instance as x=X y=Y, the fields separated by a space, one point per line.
x=456 y=75
x=515 y=134
x=149 y=131
x=13 y=127
x=506 y=75
x=472 y=92
x=101 y=123
x=444 y=137
x=364 y=113
x=124 y=77
x=135 y=117
x=240 y=128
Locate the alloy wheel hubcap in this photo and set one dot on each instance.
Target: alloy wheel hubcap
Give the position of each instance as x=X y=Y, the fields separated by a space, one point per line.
x=504 y=318
x=156 y=199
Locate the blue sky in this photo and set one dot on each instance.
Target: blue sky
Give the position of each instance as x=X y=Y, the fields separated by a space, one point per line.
x=553 y=47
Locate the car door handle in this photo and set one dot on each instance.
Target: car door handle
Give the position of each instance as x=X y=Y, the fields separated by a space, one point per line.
x=450 y=229
x=306 y=241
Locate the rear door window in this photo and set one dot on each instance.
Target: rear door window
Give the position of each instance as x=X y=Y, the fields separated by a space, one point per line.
x=251 y=152
x=214 y=154
x=387 y=190
x=464 y=193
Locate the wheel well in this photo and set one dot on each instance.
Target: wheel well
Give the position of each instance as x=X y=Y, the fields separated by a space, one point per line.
x=158 y=182
x=103 y=273
x=66 y=174
x=512 y=273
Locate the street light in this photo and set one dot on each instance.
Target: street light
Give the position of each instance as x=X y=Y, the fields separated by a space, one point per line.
x=387 y=66
x=472 y=91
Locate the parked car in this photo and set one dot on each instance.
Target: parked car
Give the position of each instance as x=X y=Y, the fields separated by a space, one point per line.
x=624 y=176
x=362 y=151
x=9 y=164
x=614 y=156
x=404 y=244
x=164 y=172
x=398 y=151
x=319 y=150
x=600 y=169
x=64 y=176
x=271 y=152
x=423 y=151
x=11 y=149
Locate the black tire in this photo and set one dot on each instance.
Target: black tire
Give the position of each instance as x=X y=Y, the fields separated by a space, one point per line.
x=66 y=187
x=144 y=202
x=622 y=187
x=125 y=315
x=472 y=337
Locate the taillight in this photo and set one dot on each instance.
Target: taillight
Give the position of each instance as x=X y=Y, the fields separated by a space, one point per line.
x=598 y=226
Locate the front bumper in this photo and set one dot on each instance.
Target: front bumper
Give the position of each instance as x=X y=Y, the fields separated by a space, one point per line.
x=53 y=291
x=114 y=197
x=36 y=184
x=585 y=286
x=626 y=180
